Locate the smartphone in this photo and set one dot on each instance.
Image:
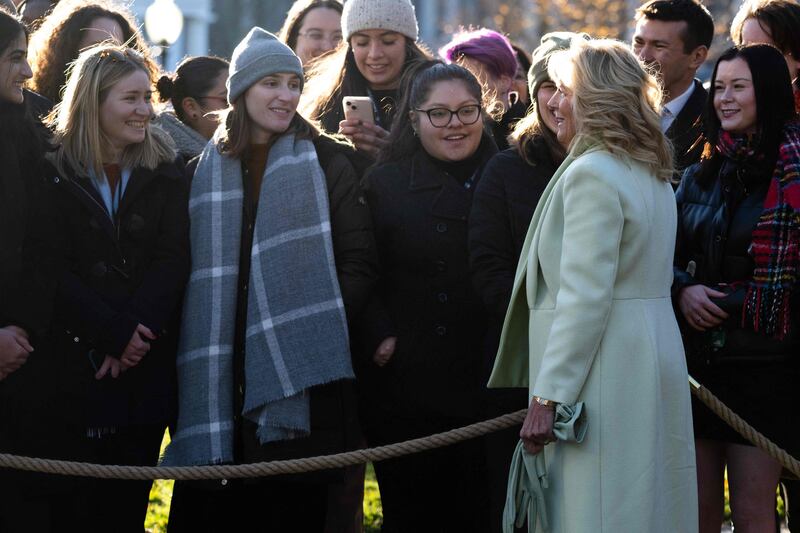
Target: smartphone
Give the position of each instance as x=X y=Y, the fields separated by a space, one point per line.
x=358 y=108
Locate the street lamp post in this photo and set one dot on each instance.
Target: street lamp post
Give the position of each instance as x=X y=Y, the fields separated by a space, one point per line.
x=163 y=21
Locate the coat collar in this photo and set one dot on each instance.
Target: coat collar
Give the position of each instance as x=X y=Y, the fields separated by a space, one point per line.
x=86 y=193
x=453 y=200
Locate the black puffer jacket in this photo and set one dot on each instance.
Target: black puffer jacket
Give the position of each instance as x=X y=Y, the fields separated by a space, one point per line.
x=715 y=226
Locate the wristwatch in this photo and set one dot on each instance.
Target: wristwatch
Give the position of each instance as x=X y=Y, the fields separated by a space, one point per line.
x=544 y=403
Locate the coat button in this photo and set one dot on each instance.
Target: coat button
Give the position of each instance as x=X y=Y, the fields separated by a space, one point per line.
x=441 y=331
x=442 y=297
x=441 y=227
x=99 y=269
x=727 y=188
x=76 y=339
x=441 y=265
x=56 y=179
x=93 y=223
x=244 y=287
x=224 y=482
x=718 y=238
x=135 y=223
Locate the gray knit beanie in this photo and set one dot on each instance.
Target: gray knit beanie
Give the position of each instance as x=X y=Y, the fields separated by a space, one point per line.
x=393 y=15
x=551 y=42
x=259 y=54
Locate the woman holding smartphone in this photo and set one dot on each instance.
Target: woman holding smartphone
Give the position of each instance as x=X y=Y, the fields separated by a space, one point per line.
x=380 y=43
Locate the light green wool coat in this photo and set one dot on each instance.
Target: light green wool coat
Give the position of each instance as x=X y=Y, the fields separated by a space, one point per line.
x=591 y=320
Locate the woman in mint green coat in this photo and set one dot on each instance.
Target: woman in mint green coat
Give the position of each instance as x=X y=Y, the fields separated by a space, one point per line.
x=591 y=318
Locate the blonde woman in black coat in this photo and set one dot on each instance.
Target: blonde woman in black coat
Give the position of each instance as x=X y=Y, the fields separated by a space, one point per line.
x=109 y=255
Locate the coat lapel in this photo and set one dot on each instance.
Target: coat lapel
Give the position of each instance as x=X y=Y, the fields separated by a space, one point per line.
x=687 y=126
x=139 y=180
x=451 y=201
x=87 y=195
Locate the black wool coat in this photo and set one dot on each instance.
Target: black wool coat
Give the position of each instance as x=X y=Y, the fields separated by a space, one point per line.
x=424 y=296
x=505 y=199
x=715 y=227
x=92 y=280
x=22 y=138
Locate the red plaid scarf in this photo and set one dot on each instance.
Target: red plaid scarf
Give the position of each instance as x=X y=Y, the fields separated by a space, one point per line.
x=776 y=239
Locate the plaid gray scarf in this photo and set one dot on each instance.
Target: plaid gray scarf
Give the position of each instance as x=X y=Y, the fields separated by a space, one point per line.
x=296 y=328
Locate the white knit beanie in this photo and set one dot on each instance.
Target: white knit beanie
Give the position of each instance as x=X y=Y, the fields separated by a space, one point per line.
x=393 y=15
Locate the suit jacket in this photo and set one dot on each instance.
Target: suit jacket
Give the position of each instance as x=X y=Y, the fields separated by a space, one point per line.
x=591 y=321
x=687 y=128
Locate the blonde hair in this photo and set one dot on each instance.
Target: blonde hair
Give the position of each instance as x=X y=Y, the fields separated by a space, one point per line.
x=76 y=119
x=616 y=103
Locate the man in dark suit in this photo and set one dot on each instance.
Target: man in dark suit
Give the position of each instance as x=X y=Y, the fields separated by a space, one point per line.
x=674 y=36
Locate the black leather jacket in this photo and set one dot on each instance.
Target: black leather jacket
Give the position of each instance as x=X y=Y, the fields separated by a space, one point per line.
x=715 y=225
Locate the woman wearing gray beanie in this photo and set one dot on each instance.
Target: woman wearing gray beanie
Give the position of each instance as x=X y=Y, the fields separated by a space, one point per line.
x=380 y=42
x=282 y=257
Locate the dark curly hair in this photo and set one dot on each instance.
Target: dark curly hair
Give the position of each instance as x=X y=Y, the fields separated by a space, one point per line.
x=55 y=44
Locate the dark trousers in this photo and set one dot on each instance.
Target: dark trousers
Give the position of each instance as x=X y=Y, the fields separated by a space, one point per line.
x=437 y=491
x=48 y=503
x=31 y=512
x=265 y=506
x=121 y=505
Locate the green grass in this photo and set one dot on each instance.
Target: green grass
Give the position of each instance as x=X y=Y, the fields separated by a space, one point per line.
x=161 y=494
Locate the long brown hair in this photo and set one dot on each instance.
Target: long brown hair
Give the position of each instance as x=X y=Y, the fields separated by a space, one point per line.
x=55 y=44
x=531 y=128
x=234 y=138
x=336 y=75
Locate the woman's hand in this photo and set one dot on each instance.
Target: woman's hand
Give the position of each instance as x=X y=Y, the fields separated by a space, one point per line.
x=110 y=365
x=384 y=351
x=368 y=138
x=14 y=349
x=698 y=309
x=137 y=347
x=537 y=430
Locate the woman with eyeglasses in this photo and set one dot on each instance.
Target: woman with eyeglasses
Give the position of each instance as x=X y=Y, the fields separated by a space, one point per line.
x=196 y=91
x=425 y=324
x=110 y=245
x=312 y=28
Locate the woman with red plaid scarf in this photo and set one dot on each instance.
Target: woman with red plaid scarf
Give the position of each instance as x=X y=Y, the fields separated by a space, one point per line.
x=736 y=269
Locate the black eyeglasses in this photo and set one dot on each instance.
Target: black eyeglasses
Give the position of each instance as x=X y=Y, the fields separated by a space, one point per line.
x=440 y=117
